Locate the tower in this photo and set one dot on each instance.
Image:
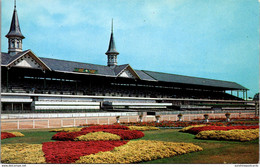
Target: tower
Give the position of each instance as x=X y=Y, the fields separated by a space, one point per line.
x=111 y=52
x=14 y=35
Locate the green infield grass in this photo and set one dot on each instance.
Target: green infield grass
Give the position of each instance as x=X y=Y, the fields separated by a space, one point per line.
x=214 y=152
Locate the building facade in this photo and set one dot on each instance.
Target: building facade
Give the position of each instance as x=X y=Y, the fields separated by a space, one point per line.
x=32 y=83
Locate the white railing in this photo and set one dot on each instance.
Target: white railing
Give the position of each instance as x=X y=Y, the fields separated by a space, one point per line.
x=73 y=122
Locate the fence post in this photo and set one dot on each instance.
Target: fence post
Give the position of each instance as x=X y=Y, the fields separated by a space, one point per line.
x=33 y=124
x=48 y=123
x=18 y=126
x=128 y=119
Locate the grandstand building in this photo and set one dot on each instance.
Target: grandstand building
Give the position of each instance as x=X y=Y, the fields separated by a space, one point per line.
x=31 y=83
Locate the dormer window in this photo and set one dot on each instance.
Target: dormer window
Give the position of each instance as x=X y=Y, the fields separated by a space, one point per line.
x=13 y=44
x=18 y=45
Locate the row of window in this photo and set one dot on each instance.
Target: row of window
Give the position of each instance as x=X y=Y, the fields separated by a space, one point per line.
x=15 y=41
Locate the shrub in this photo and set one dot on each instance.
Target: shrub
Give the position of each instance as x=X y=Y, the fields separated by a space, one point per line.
x=138 y=151
x=22 y=153
x=97 y=136
x=237 y=135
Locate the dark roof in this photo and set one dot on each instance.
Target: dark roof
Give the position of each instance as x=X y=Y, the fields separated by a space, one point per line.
x=6 y=58
x=15 y=30
x=144 y=76
x=165 y=77
x=69 y=66
x=119 y=68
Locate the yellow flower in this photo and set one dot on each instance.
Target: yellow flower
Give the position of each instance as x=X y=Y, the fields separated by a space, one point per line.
x=66 y=130
x=140 y=150
x=17 y=134
x=97 y=136
x=142 y=128
x=238 y=135
x=22 y=153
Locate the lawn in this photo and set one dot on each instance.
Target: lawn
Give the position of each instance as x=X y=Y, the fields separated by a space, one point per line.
x=213 y=151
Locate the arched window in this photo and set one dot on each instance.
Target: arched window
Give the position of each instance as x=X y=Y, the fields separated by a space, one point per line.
x=12 y=44
x=18 y=44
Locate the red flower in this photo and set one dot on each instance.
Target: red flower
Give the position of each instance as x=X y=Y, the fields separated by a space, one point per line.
x=63 y=152
x=106 y=127
x=124 y=134
x=5 y=135
x=196 y=130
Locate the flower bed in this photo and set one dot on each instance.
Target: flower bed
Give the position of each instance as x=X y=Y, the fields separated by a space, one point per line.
x=138 y=151
x=66 y=130
x=143 y=128
x=22 y=153
x=5 y=135
x=124 y=134
x=242 y=123
x=64 y=152
x=241 y=118
x=106 y=127
x=97 y=136
x=189 y=127
x=69 y=151
x=169 y=124
x=65 y=136
x=196 y=130
x=237 y=135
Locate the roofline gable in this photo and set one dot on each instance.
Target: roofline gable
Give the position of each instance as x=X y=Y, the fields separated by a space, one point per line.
x=131 y=69
x=37 y=59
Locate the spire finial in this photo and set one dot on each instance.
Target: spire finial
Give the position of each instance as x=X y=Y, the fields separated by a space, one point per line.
x=112 y=26
x=15 y=4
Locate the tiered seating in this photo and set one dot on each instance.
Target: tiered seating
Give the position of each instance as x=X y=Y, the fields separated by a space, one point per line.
x=70 y=88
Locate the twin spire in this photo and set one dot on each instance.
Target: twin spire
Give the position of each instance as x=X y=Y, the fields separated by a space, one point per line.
x=15 y=38
x=14 y=35
x=111 y=52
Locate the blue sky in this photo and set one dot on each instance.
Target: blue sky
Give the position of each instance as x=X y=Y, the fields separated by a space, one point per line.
x=217 y=39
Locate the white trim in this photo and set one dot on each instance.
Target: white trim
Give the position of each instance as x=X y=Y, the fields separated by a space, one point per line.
x=84 y=73
x=122 y=70
x=17 y=58
x=115 y=97
x=41 y=61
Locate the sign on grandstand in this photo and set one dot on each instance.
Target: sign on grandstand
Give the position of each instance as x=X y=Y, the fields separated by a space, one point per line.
x=85 y=70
